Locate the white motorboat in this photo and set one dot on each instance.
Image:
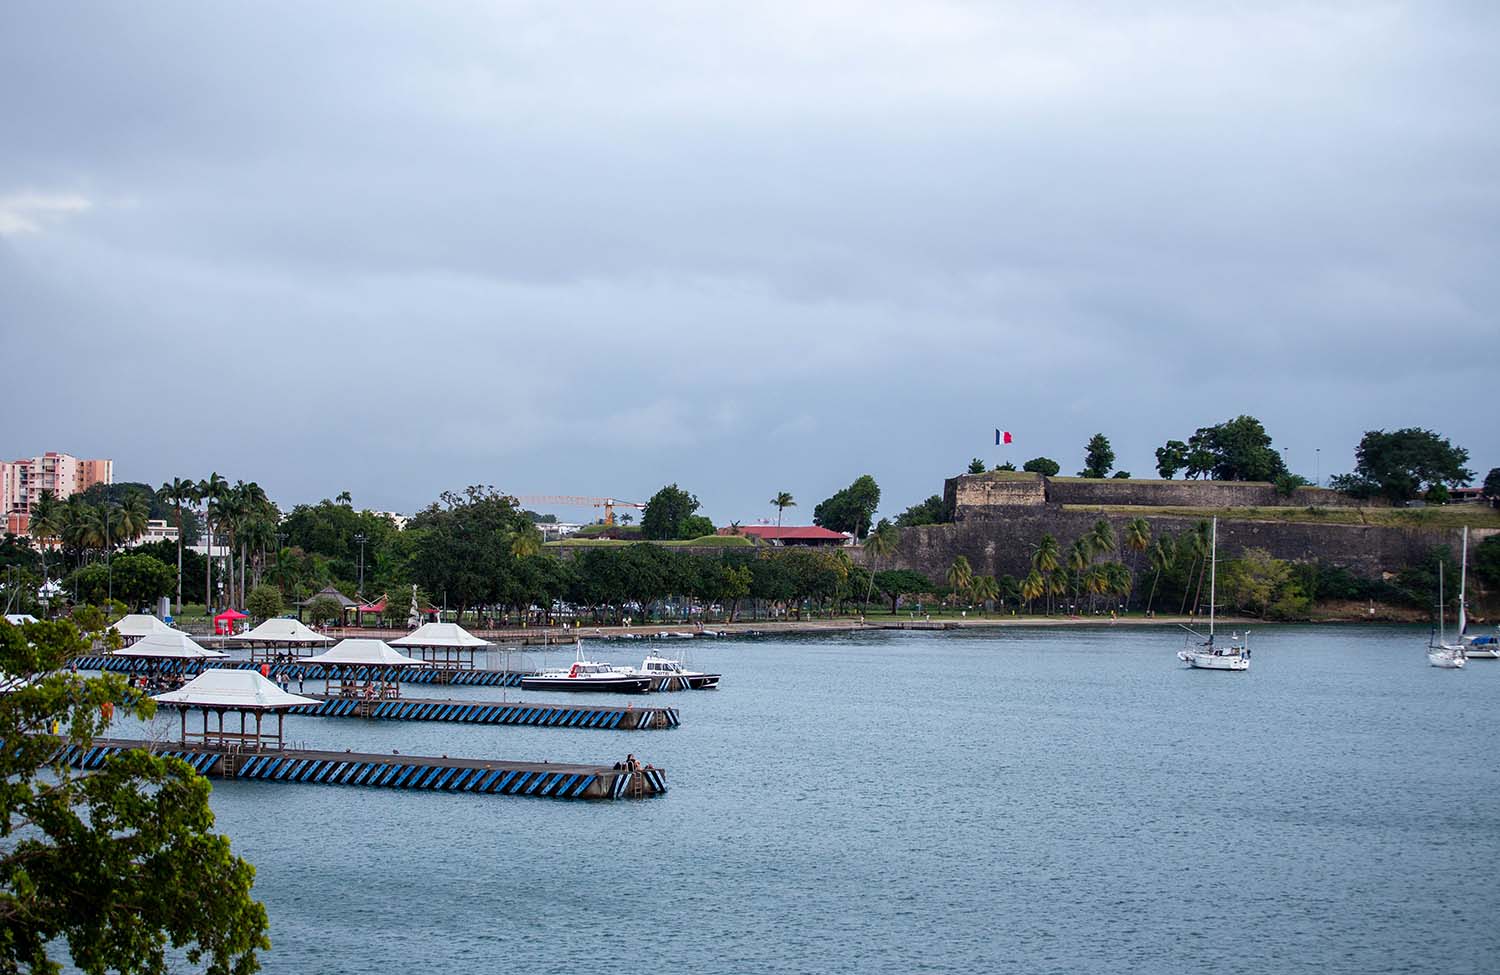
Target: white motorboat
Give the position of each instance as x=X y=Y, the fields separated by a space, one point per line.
x=1441 y=653
x=1208 y=655
x=667 y=674
x=588 y=675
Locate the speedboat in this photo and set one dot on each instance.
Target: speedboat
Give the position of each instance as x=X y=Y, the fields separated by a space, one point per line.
x=1481 y=648
x=667 y=674
x=588 y=675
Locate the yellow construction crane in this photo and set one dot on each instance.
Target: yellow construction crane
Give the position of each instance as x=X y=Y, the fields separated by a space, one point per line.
x=608 y=504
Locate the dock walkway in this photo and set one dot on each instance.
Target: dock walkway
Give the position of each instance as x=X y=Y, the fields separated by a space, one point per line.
x=608 y=718
x=422 y=773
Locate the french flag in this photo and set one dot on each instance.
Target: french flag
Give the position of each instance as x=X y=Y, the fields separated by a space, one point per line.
x=1002 y=436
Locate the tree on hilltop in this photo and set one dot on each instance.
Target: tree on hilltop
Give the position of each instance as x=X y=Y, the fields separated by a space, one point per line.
x=1045 y=466
x=850 y=509
x=666 y=512
x=976 y=466
x=1402 y=464
x=1098 y=457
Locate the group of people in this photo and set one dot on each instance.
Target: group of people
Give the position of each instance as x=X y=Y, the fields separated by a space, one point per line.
x=631 y=764
x=156 y=683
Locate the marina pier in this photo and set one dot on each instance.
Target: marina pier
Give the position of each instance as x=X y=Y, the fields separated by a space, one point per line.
x=410 y=772
x=609 y=718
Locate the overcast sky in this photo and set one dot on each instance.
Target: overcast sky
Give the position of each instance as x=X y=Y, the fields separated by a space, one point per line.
x=592 y=248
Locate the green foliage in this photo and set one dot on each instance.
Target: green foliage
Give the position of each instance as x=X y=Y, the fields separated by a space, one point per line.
x=1287 y=484
x=462 y=547
x=119 y=865
x=1121 y=475
x=897 y=583
x=930 y=512
x=1401 y=463
x=695 y=526
x=977 y=466
x=1042 y=465
x=325 y=609
x=1098 y=457
x=1235 y=450
x=1486 y=561
x=139 y=579
x=1252 y=582
x=1491 y=488
x=667 y=514
x=1437 y=494
x=1007 y=466
x=850 y=509
x=264 y=602
x=1171 y=458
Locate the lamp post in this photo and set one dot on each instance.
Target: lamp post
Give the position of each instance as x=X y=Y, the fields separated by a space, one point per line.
x=1318 y=466
x=360 y=538
x=108 y=568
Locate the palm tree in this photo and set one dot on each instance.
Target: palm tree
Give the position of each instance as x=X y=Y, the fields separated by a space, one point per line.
x=1033 y=587
x=74 y=525
x=878 y=544
x=134 y=513
x=178 y=492
x=1080 y=554
x=1160 y=559
x=960 y=575
x=209 y=491
x=1137 y=538
x=1101 y=538
x=45 y=525
x=984 y=589
x=1045 y=559
x=345 y=498
x=782 y=501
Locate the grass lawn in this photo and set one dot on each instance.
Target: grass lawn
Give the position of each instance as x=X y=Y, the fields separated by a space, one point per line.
x=1445 y=516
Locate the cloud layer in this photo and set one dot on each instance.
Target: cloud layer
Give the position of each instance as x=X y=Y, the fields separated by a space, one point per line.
x=596 y=248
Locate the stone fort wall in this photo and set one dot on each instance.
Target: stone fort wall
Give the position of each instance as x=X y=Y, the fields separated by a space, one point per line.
x=970 y=495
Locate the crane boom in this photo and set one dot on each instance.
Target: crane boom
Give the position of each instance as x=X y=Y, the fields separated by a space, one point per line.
x=581 y=501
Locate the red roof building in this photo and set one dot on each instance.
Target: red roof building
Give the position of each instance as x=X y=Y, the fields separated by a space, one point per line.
x=791 y=535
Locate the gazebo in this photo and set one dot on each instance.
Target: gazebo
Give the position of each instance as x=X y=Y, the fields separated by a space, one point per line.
x=279 y=635
x=134 y=626
x=224 y=622
x=445 y=645
x=345 y=603
x=167 y=649
x=242 y=692
x=357 y=654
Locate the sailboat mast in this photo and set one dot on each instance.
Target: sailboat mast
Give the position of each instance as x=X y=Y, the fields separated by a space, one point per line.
x=1442 y=638
x=1463 y=586
x=1213 y=577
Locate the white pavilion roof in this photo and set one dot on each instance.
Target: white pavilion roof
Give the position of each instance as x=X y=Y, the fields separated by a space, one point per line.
x=172 y=645
x=362 y=652
x=16 y=619
x=440 y=635
x=282 y=630
x=140 y=624
x=240 y=690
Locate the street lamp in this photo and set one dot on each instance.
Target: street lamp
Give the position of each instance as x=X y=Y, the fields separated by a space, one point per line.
x=360 y=538
x=1318 y=468
x=108 y=568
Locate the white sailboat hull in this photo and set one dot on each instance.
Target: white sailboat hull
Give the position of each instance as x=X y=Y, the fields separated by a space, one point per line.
x=1211 y=661
x=1446 y=659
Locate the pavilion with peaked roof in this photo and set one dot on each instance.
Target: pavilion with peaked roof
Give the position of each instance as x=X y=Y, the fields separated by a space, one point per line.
x=361 y=667
x=445 y=645
x=172 y=645
x=278 y=636
x=134 y=626
x=242 y=692
x=345 y=603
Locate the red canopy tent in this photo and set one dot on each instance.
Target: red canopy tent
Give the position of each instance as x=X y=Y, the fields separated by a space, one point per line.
x=224 y=622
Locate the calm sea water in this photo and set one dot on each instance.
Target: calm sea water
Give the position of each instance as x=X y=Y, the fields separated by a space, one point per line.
x=1040 y=800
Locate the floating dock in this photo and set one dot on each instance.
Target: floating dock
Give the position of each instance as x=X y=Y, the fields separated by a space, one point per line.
x=410 y=772
x=494 y=712
x=406 y=675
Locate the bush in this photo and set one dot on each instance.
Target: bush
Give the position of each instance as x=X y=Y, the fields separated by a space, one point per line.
x=325 y=609
x=264 y=602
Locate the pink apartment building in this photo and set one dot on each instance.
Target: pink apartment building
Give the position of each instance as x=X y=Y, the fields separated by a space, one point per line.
x=23 y=481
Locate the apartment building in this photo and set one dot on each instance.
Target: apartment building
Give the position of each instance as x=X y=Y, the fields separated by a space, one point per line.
x=23 y=481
